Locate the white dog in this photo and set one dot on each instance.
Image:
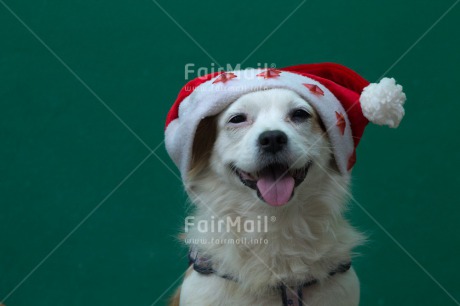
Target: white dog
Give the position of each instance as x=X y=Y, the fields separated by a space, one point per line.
x=268 y=154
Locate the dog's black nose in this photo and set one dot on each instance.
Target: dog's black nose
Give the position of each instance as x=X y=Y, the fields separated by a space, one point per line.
x=272 y=141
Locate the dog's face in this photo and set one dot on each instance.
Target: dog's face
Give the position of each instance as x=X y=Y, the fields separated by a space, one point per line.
x=268 y=141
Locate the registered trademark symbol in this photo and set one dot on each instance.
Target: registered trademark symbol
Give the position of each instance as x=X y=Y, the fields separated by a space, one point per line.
x=273 y=219
x=273 y=65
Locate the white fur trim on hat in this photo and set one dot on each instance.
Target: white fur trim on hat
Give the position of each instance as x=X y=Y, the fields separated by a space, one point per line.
x=382 y=103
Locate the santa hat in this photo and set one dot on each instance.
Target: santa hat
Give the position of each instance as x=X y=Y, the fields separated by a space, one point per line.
x=344 y=100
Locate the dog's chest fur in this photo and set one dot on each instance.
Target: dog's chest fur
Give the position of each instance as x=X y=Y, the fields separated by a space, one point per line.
x=307 y=240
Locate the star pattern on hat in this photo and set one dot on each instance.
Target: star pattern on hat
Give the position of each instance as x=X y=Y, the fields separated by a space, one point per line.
x=314 y=89
x=351 y=160
x=224 y=77
x=269 y=73
x=341 y=123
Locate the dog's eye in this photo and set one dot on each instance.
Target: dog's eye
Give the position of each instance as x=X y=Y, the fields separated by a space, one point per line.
x=238 y=118
x=300 y=115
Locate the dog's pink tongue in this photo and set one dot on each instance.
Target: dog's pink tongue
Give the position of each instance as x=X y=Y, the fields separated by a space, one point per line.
x=275 y=186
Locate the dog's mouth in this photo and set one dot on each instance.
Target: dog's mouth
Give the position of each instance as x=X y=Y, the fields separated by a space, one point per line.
x=274 y=183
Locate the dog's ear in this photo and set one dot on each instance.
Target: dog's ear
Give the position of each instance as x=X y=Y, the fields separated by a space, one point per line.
x=333 y=164
x=321 y=127
x=203 y=144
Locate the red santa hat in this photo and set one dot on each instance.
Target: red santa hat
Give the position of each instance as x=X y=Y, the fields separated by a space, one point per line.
x=344 y=100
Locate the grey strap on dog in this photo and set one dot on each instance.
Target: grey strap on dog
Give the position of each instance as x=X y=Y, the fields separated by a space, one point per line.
x=290 y=296
x=201 y=264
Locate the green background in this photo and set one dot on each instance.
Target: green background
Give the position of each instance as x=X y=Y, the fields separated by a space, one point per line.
x=63 y=152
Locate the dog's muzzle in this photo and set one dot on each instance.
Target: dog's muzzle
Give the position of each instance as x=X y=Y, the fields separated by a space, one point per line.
x=274 y=183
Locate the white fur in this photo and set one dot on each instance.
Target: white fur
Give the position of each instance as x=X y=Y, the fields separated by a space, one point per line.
x=310 y=235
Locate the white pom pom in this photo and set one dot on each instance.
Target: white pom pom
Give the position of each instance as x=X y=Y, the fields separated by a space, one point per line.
x=382 y=103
